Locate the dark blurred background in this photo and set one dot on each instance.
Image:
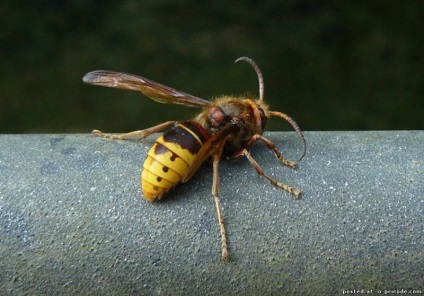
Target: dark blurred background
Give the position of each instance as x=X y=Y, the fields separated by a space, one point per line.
x=349 y=65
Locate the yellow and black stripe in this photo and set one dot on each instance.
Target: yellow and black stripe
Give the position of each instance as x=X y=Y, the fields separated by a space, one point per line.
x=170 y=158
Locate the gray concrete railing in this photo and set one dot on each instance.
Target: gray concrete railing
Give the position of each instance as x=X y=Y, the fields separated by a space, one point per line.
x=72 y=220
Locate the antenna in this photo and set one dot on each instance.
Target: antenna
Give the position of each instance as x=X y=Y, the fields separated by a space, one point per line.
x=260 y=77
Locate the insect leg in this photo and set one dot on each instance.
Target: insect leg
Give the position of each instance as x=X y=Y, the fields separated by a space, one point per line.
x=141 y=134
x=272 y=147
x=215 y=189
x=296 y=192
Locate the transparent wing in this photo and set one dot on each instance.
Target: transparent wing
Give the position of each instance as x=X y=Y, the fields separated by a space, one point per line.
x=149 y=88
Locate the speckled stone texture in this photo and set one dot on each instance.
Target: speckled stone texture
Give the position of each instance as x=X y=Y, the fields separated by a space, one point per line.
x=72 y=220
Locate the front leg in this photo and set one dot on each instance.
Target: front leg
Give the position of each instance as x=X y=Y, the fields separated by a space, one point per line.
x=296 y=192
x=272 y=147
x=268 y=145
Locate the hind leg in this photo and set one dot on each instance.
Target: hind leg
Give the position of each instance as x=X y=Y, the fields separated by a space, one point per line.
x=141 y=134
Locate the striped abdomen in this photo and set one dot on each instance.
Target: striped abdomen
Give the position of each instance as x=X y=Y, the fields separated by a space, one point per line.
x=170 y=158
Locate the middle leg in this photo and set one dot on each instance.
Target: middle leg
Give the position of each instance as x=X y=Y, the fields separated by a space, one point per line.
x=215 y=189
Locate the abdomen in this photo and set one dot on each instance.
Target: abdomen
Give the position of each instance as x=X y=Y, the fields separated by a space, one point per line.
x=171 y=158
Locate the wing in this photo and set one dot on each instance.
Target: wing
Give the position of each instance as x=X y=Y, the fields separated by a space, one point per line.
x=149 y=88
x=214 y=144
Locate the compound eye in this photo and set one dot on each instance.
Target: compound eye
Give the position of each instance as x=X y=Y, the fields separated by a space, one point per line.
x=216 y=116
x=263 y=117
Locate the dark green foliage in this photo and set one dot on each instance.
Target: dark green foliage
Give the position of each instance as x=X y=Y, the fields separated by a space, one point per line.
x=346 y=65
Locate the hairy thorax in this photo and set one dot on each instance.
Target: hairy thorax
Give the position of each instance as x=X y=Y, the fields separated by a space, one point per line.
x=245 y=114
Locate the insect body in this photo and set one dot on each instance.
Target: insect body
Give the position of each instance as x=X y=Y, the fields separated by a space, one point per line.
x=171 y=157
x=226 y=127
